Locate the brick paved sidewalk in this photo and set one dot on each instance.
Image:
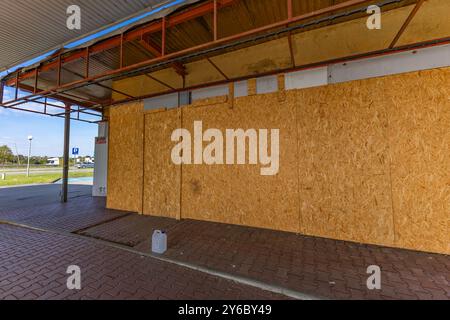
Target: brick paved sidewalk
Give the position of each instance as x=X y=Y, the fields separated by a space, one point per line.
x=33 y=265
x=316 y=266
x=71 y=217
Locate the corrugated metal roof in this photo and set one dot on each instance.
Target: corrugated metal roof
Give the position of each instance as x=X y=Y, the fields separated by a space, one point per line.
x=29 y=28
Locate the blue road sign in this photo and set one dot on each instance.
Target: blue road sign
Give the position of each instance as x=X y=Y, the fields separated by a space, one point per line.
x=75 y=151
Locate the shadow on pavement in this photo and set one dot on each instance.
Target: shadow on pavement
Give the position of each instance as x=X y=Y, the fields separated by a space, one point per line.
x=38 y=195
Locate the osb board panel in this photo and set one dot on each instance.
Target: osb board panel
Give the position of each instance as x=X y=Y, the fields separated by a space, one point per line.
x=419 y=125
x=431 y=22
x=201 y=72
x=162 y=178
x=348 y=38
x=238 y=194
x=137 y=86
x=125 y=157
x=250 y=61
x=344 y=180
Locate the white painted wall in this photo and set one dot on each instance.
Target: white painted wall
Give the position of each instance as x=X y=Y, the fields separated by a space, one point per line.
x=164 y=101
x=210 y=92
x=306 y=78
x=402 y=62
x=267 y=84
x=240 y=89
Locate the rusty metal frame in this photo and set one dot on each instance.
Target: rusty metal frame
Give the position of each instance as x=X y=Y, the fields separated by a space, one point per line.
x=286 y=26
x=406 y=23
x=383 y=52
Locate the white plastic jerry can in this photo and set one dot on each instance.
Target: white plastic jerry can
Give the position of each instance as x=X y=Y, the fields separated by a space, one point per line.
x=159 y=242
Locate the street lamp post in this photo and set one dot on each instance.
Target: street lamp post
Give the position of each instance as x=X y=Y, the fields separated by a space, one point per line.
x=30 y=138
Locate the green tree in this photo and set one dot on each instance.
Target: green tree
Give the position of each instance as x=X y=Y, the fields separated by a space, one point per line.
x=6 y=154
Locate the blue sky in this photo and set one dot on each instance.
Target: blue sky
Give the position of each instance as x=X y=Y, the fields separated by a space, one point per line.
x=48 y=132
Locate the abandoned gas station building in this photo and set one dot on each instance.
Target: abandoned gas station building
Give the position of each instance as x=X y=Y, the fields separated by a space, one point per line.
x=363 y=114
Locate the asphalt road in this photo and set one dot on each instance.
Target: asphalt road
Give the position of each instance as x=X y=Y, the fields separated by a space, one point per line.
x=41 y=170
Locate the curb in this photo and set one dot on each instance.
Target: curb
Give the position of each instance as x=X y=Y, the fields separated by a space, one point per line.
x=238 y=279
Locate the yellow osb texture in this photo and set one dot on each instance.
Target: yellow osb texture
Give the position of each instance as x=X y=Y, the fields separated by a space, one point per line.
x=419 y=126
x=125 y=157
x=137 y=86
x=343 y=163
x=238 y=194
x=432 y=21
x=348 y=38
x=162 y=178
x=366 y=161
x=249 y=61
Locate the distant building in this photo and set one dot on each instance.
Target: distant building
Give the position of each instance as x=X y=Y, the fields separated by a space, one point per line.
x=53 y=162
x=88 y=159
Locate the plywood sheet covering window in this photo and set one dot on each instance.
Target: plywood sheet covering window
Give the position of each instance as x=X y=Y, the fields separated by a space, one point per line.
x=364 y=161
x=419 y=125
x=343 y=163
x=238 y=194
x=162 y=178
x=125 y=157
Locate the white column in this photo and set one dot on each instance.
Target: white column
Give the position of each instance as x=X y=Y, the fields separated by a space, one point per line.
x=101 y=161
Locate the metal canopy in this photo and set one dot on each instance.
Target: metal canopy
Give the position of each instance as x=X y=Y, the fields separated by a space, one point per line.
x=171 y=42
x=32 y=28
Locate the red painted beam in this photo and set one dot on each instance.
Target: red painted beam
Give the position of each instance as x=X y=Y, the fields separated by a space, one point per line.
x=157 y=52
x=150 y=48
x=406 y=23
x=180 y=53
x=115 y=41
x=25 y=87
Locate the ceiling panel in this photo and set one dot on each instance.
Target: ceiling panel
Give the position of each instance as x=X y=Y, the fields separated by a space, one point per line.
x=29 y=28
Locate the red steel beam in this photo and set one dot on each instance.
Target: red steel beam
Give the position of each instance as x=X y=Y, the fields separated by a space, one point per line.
x=216 y=9
x=210 y=44
x=94 y=103
x=36 y=78
x=356 y=57
x=156 y=51
x=290 y=9
x=2 y=90
x=406 y=23
x=59 y=70
x=50 y=114
x=163 y=36
x=150 y=48
x=86 y=71
x=121 y=51
x=153 y=27
x=57 y=97
x=16 y=94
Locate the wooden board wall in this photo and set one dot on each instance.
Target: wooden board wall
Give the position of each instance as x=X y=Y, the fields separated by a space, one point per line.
x=344 y=163
x=419 y=139
x=366 y=161
x=125 y=158
x=162 y=178
x=238 y=194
